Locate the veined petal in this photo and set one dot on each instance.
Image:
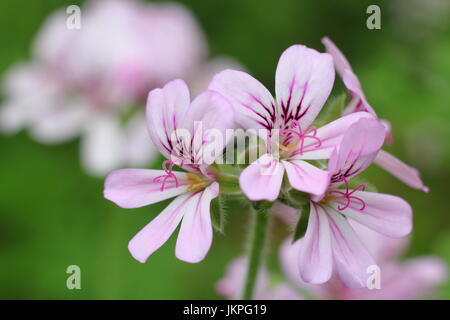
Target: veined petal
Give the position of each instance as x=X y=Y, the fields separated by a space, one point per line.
x=206 y=119
x=195 y=236
x=306 y=177
x=384 y=213
x=303 y=82
x=166 y=107
x=330 y=137
x=315 y=255
x=134 y=188
x=253 y=104
x=158 y=231
x=262 y=179
x=182 y=130
x=358 y=148
x=400 y=170
x=351 y=257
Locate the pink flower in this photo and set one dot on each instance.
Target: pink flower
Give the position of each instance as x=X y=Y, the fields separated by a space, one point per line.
x=358 y=102
x=410 y=279
x=330 y=240
x=169 y=110
x=304 y=79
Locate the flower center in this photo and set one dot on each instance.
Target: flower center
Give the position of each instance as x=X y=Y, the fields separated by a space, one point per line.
x=167 y=166
x=299 y=143
x=348 y=196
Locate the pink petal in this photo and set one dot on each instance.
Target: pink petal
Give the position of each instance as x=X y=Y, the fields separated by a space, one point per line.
x=133 y=188
x=358 y=148
x=340 y=62
x=386 y=214
x=358 y=100
x=303 y=82
x=289 y=263
x=166 y=107
x=158 y=231
x=195 y=236
x=262 y=179
x=330 y=137
x=381 y=247
x=315 y=255
x=306 y=177
x=181 y=130
x=351 y=257
x=207 y=118
x=400 y=170
x=252 y=102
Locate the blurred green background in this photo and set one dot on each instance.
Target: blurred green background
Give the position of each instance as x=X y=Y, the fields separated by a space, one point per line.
x=53 y=215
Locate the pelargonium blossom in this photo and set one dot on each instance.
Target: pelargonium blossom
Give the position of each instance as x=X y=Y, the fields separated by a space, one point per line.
x=358 y=102
x=169 y=111
x=329 y=239
x=413 y=278
x=303 y=81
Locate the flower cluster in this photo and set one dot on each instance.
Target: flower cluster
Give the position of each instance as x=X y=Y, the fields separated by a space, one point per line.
x=320 y=165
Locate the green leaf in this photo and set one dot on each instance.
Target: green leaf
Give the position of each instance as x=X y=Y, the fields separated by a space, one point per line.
x=302 y=223
x=218 y=214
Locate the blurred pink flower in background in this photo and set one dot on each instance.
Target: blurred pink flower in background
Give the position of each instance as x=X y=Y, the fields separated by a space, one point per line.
x=414 y=278
x=410 y=279
x=92 y=82
x=232 y=284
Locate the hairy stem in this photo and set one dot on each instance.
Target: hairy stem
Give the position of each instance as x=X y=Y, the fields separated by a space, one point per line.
x=257 y=243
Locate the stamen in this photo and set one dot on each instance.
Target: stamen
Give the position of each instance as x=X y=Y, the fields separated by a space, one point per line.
x=301 y=136
x=196 y=182
x=167 y=166
x=348 y=196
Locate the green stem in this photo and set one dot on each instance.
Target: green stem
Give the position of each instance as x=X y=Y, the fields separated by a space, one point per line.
x=257 y=243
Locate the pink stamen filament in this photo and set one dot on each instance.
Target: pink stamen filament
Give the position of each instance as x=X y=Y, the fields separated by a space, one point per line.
x=302 y=136
x=348 y=196
x=167 y=166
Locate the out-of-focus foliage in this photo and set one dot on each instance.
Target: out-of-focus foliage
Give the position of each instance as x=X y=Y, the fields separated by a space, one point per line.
x=52 y=215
